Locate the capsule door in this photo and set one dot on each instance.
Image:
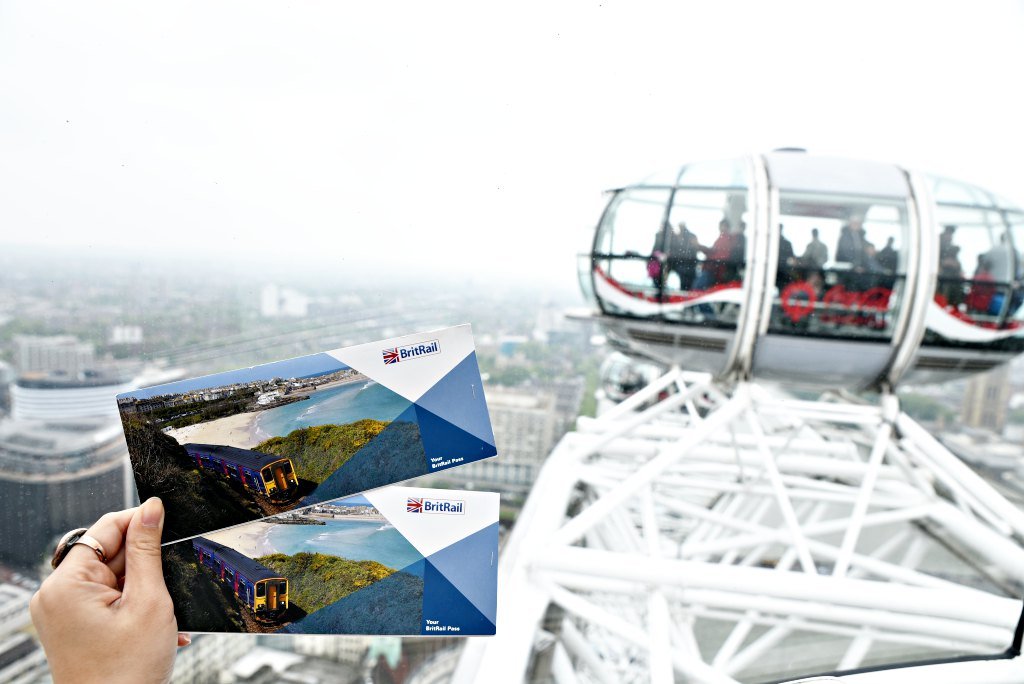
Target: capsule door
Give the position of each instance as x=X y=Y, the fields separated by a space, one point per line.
x=839 y=233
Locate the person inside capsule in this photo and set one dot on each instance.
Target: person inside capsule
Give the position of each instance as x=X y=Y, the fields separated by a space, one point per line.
x=816 y=253
x=951 y=273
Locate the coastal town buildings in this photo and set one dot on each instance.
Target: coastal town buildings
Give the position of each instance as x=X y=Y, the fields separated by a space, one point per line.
x=343 y=511
x=263 y=393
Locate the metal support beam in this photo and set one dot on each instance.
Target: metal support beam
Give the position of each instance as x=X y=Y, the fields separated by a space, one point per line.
x=649 y=523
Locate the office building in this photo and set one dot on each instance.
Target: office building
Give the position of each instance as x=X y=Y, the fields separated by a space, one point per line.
x=986 y=399
x=55 y=476
x=13 y=609
x=526 y=425
x=282 y=302
x=22 y=660
x=343 y=649
x=62 y=396
x=210 y=655
x=61 y=353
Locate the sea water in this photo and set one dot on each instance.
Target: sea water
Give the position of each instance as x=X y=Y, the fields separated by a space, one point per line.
x=336 y=406
x=353 y=539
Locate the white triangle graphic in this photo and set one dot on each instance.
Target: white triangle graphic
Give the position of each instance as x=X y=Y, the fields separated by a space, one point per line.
x=431 y=532
x=413 y=376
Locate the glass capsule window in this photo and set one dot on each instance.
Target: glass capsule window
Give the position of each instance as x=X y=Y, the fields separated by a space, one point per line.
x=630 y=233
x=841 y=266
x=976 y=265
x=980 y=268
x=676 y=252
x=707 y=255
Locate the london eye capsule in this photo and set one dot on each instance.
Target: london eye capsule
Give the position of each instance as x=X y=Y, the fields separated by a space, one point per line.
x=810 y=270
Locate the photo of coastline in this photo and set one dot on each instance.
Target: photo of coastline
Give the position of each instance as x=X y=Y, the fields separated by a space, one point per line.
x=337 y=568
x=225 y=449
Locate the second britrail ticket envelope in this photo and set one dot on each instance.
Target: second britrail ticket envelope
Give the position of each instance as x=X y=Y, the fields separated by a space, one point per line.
x=228 y=448
x=395 y=560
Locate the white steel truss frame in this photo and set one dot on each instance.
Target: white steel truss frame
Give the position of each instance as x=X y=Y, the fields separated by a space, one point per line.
x=768 y=516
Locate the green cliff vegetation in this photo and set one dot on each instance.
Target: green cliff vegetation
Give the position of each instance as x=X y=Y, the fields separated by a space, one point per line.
x=316 y=580
x=320 y=450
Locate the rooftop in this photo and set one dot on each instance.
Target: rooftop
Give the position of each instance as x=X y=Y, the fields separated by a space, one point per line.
x=54 y=438
x=48 y=450
x=63 y=380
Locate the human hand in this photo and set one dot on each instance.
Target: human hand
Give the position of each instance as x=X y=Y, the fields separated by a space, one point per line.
x=111 y=622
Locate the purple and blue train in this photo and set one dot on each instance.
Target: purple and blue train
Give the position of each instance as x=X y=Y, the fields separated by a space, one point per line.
x=260 y=589
x=271 y=476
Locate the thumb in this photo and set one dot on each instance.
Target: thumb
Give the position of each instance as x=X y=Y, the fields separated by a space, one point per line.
x=143 y=572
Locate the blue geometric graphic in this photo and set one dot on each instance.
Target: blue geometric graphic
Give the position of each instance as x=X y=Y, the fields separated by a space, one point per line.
x=465 y=565
x=458 y=398
x=442 y=439
x=446 y=604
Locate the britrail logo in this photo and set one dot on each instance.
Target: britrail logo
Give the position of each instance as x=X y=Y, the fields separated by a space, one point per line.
x=435 y=506
x=411 y=351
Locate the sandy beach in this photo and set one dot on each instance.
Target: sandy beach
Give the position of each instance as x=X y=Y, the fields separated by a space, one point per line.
x=249 y=540
x=238 y=430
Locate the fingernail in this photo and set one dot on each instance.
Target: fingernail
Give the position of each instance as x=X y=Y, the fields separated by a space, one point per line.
x=152 y=511
x=185 y=639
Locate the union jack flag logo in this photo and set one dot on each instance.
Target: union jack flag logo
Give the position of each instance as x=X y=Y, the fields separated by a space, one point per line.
x=414 y=506
x=391 y=355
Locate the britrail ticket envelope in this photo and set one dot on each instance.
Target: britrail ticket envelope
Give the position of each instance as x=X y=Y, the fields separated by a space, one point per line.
x=395 y=560
x=228 y=448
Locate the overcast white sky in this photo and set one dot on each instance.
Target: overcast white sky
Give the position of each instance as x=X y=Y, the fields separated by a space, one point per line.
x=421 y=138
